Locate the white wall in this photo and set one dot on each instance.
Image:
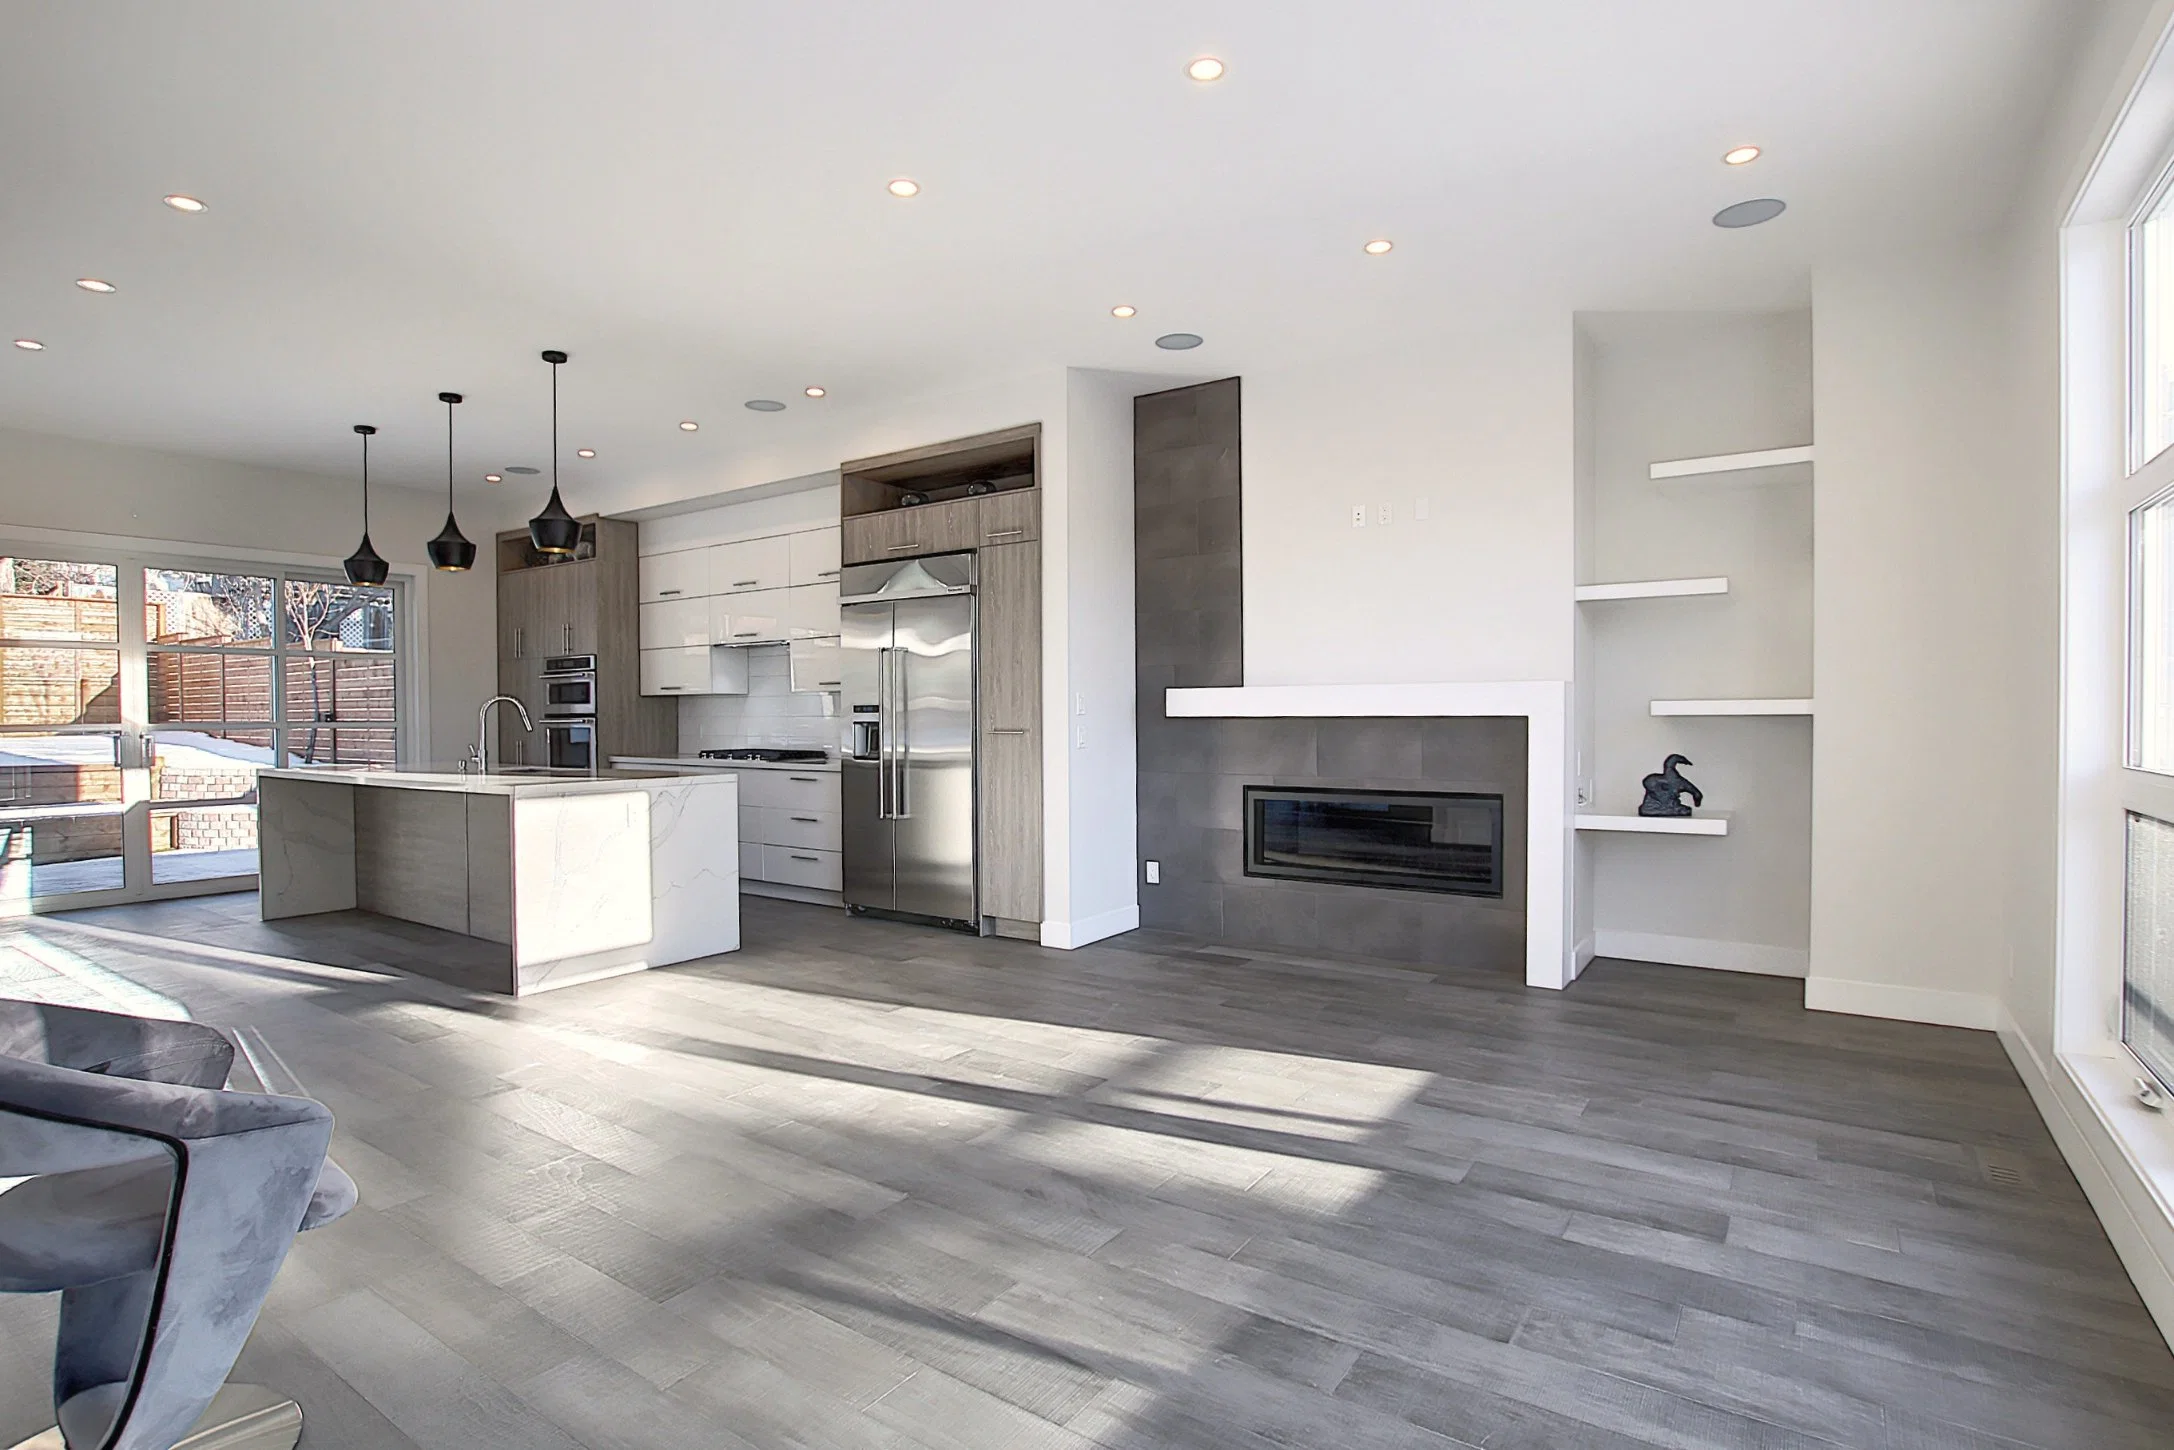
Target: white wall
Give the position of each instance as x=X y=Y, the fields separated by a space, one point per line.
x=1916 y=508
x=1676 y=385
x=67 y=484
x=1482 y=429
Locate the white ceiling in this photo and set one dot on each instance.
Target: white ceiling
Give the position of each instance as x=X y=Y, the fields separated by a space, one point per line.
x=688 y=195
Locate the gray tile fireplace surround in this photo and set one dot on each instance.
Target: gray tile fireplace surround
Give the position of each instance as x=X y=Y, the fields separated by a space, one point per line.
x=1192 y=778
x=1189 y=618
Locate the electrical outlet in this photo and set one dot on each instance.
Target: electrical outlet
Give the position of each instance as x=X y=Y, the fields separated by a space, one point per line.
x=1419 y=510
x=1358 y=515
x=1079 y=738
x=1385 y=515
x=1154 y=873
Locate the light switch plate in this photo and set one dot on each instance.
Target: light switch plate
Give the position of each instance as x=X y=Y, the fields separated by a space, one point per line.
x=1079 y=738
x=1154 y=873
x=1079 y=704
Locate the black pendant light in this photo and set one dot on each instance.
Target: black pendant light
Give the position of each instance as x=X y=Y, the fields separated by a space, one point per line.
x=364 y=566
x=451 y=550
x=554 y=531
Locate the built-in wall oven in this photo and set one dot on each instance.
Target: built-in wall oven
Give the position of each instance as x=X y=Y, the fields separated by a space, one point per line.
x=569 y=685
x=570 y=741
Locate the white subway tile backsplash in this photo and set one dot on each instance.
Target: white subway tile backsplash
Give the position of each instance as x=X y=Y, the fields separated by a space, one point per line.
x=768 y=714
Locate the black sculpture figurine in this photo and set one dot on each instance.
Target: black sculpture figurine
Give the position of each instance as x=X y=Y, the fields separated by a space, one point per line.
x=1666 y=788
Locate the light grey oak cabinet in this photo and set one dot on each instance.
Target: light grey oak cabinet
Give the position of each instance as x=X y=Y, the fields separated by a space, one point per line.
x=982 y=494
x=586 y=606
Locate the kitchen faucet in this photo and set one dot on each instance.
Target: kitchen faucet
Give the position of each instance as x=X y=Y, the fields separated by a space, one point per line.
x=478 y=757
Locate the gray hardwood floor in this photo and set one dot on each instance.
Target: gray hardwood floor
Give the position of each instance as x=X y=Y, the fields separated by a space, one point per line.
x=863 y=1184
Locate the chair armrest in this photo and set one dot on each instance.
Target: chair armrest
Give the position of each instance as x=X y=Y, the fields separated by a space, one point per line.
x=149 y=1049
x=155 y=1109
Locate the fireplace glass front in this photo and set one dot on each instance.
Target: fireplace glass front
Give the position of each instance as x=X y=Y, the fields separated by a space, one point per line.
x=1411 y=840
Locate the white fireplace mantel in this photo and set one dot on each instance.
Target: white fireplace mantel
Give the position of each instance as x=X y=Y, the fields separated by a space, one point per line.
x=1550 y=959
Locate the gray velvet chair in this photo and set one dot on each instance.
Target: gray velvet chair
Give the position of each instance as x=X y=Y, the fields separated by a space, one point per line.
x=159 y=1206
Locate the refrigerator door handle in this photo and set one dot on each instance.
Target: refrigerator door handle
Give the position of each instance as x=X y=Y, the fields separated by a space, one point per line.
x=883 y=733
x=901 y=772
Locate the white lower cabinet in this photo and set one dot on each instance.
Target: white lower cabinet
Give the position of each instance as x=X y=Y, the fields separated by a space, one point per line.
x=791 y=866
x=789 y=829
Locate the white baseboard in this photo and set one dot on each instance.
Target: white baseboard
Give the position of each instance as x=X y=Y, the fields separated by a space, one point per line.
x=1692 y=951
x=1902 y=1004
x=1582 y=956
x=2136 y=1221
x=1065 y=935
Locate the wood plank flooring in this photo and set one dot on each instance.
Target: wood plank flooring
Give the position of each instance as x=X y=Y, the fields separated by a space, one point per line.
x=863 y=1184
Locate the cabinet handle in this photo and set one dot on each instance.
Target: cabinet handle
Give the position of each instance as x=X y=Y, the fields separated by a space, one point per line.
x=1003 y=533
x=807 y=820
x=745 y=583
x=803 y=779
x=1007 y=730
x=671 y=687
x=747 y=634
x=832 y=683
x=661 y=593
x=798 y=857
x=826 y=573
x=902 y=548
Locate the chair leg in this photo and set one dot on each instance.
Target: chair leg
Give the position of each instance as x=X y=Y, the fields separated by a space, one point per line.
x=241 y=1417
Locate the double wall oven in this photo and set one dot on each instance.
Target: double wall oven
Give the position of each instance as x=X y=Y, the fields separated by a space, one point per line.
x=569 y=712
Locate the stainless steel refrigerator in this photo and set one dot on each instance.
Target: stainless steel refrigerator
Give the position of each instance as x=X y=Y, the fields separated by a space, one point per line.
x=908 y=756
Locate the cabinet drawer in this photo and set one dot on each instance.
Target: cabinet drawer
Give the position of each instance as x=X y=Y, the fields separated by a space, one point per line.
x=751 y=860
x=1008 y=518
x=791 y=866
x=802 y=830
x=681 y=575
x=811 y=611
x=683 y=671
x=676 y=623
x=813 y=557
x=752 y=830
x=934 y=528
x=750 y=564
x=806 y=793
x=755 y=616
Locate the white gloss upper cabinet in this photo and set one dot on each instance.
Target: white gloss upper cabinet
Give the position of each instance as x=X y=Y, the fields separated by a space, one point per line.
x=681 y=575
x=755 y=617
x=750 y=564
x=677 y=623
x=813 y=558
x=811 y=611
x=694 y=670
x=817 y=664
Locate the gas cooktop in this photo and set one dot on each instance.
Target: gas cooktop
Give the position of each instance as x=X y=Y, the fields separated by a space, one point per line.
x=772 y=757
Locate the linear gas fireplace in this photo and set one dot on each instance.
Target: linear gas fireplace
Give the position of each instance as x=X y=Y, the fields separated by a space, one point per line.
x=1441 y=841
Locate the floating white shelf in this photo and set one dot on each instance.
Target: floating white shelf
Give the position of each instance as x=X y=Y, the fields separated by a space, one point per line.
x=1731 y=462
x=1732 y=707
x=1658 y=825
x=1652 y=589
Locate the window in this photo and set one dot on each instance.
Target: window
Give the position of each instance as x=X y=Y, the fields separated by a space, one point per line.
x=2147 y=996
x=2151 y=405
x=61 y=812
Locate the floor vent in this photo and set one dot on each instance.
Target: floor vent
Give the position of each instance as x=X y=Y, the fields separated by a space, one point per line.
x=2003 y=1172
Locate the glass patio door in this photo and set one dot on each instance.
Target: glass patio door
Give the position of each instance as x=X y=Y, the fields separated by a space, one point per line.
x=138 y=701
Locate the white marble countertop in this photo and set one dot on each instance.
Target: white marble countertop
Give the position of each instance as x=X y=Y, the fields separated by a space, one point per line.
x=531 y=783
x=698 y=763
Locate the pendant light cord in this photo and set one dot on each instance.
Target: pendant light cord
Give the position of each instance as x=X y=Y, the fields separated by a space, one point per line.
x=449 y=460
x=554 y=427
x=366 y=485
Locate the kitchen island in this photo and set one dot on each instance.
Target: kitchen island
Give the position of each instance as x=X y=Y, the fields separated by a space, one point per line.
x=578 y=874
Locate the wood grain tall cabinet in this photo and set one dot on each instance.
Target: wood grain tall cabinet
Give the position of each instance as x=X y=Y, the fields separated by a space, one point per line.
x=586 y=606
x=984 y=494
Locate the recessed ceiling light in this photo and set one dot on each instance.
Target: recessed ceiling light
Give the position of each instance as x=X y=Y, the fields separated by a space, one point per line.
x=584 y=453
x=905 y=186
x=1379 y=246
x=1205 y=68
x=816 y=392
x=493 y=478
x=1750 y=213
x=188 y=204
x=1741 y=156
x=1178 y=341
x=764 y=405
x=1123 y=310
x=29 y=344
x=688 y=425
x=92 y=284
